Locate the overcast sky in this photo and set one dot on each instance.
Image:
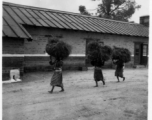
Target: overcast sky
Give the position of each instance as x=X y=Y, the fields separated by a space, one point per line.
x=73 y=5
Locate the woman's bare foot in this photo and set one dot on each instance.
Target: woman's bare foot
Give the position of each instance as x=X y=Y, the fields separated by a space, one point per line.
x=50 y=91
x=61 y=90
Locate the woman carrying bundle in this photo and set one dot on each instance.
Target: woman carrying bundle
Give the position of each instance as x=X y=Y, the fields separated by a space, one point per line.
x=58 y=51
x=98 y=54
x=120 y=56
x=119 y=69
x=98 y=75
x=56 y=79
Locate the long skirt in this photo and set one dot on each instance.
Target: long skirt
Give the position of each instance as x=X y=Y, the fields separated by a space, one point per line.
x=119 y=72
x=98 y=74
x=56 y=79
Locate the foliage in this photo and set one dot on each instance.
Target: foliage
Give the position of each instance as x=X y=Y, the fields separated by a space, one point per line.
x=83 y=10
x=98 y=54
x=121 y=54
x=58 y=49
x=106 y=52
x=117 y=9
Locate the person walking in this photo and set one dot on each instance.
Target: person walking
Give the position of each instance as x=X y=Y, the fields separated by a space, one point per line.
x=56 y=80
x=119 y=69
x=98 y=75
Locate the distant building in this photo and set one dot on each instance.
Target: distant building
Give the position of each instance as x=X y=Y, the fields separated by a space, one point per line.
x=26 y=31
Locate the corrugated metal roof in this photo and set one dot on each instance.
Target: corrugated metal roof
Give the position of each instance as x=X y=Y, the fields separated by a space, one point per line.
x=14 y=16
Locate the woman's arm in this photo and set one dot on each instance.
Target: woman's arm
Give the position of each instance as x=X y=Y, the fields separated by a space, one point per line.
x=123 y=65
x=103 y=63
x=114 y=61
x=59 y=70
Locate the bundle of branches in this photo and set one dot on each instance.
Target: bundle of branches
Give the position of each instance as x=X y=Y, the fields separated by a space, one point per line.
x=98 y=54
x=106 y=52
x=58 y=49
x=121 y=54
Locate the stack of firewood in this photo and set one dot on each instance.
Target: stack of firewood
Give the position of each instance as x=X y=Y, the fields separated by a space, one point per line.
x=58 y=49
x=98 y=54
x=121 y=54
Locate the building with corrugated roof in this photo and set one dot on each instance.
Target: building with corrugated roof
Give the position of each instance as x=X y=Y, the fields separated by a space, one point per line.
x=26 y=30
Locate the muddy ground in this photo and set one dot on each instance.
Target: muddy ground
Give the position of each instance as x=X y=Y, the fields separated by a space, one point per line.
x=30 y=100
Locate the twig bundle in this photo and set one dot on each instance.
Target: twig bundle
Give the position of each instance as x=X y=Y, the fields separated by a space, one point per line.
x=121 y=54
x=58 y=49
x=98 y=54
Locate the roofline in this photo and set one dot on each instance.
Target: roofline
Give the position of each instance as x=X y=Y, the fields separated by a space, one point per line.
x=100 y=32
x=16 y=37
x=144 y=16
x=71 y=13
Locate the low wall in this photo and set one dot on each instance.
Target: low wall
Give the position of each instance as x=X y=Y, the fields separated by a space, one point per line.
x=41 y=63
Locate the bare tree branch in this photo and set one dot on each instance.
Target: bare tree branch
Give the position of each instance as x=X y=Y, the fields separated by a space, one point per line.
x=114 y=9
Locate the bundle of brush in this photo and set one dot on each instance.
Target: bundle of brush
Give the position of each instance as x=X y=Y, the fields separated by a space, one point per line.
x=58 y=49
x=98 y=54
x=121 y=54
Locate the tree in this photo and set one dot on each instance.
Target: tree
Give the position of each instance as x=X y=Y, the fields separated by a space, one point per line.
x=83 y=10
x=117 y=9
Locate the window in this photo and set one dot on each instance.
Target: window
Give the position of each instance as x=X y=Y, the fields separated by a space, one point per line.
x=145 y=50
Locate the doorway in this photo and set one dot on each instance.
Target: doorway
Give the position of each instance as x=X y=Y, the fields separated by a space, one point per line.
x=140 y=53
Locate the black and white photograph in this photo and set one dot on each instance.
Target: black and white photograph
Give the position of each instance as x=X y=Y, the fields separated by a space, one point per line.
x=75 y=60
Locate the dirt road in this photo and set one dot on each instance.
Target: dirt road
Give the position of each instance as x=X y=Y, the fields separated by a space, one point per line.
x=30 y=99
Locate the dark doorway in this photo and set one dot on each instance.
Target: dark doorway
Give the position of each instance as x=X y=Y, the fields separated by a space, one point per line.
x=140 y=54
x=144 y=55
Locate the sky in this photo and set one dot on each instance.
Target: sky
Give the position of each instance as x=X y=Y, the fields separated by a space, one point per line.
x=73 y=5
